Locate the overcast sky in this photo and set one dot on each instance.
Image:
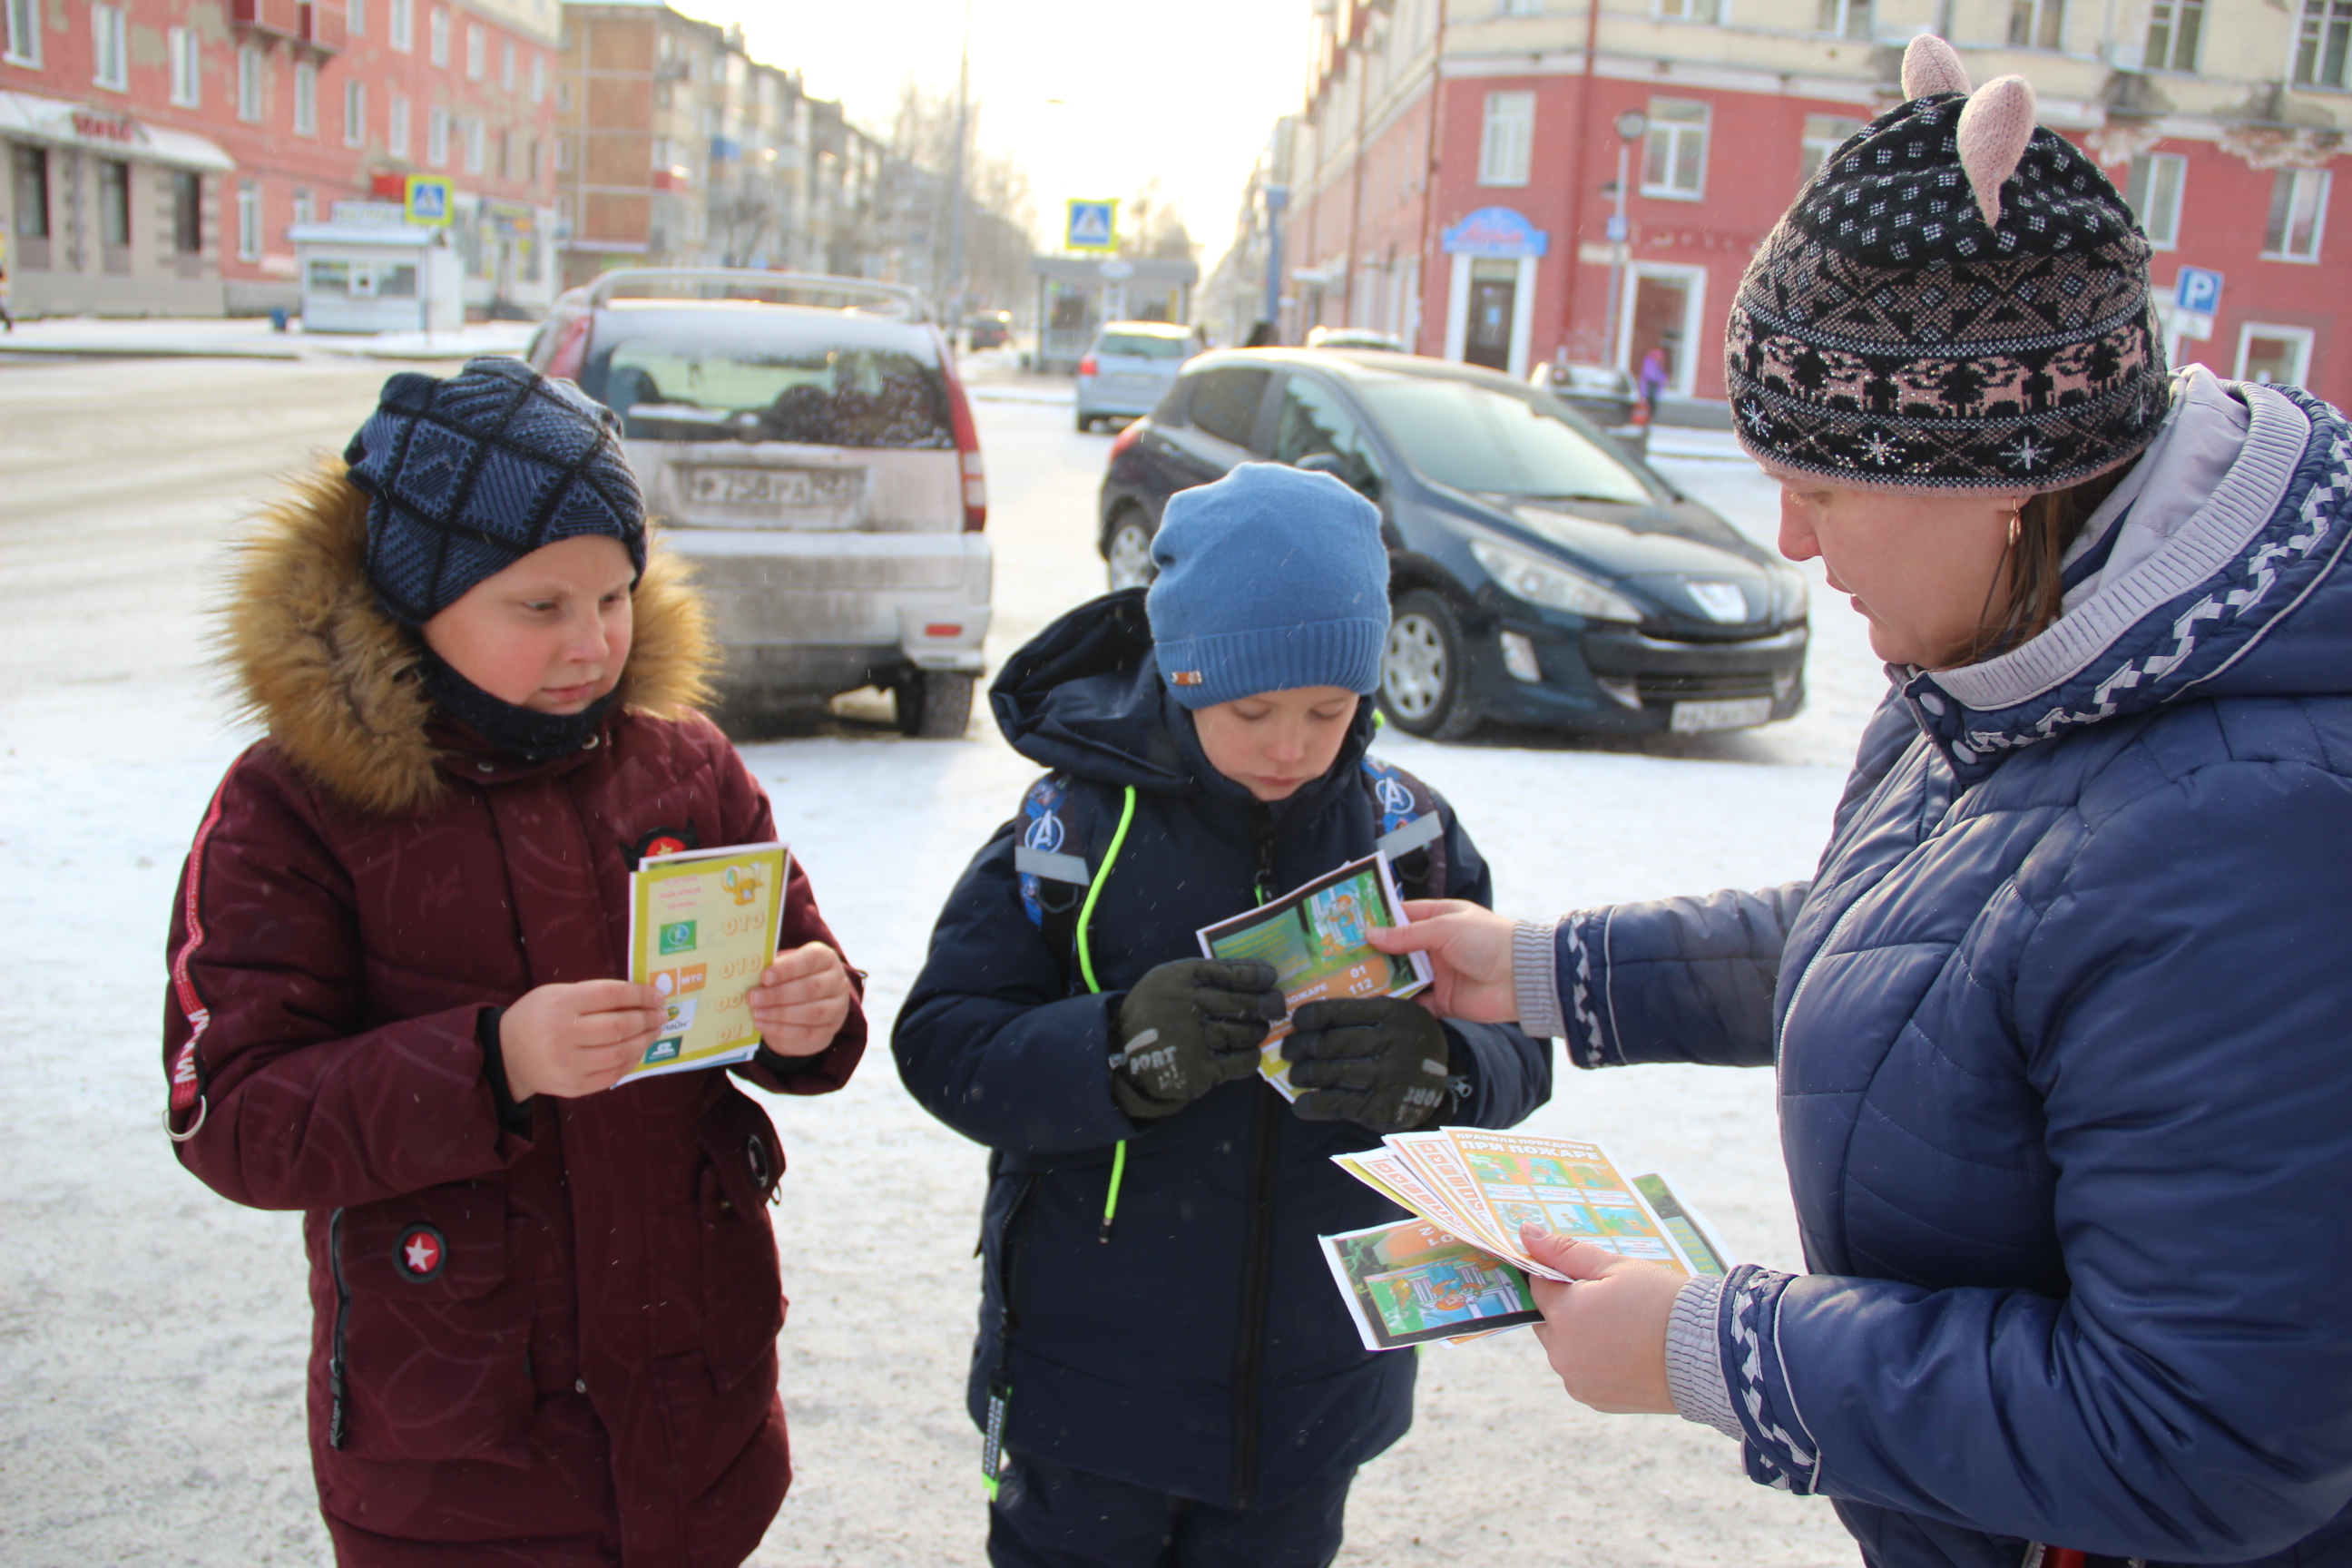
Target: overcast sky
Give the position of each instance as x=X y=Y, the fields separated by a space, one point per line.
x=1186 y=89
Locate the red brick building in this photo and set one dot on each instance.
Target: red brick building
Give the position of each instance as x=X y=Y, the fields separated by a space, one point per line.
x=1455 y=166
x=157 y=152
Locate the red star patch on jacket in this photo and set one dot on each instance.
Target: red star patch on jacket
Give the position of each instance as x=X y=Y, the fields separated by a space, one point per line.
x=419 y=1253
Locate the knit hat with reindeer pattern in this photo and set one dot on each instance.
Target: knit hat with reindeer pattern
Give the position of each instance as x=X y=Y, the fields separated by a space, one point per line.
x=1957 y=302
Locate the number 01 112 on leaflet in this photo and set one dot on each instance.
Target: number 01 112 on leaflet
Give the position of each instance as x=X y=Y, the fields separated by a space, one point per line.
x=703 y=923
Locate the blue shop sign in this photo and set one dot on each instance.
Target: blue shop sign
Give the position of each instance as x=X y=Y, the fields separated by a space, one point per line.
x=1497 y=232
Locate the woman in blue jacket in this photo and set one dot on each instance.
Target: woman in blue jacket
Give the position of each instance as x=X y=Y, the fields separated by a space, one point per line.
x=2060 y=1030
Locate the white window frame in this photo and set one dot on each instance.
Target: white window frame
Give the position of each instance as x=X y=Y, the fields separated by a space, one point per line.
x=248 y=221
x=305 y=209
x=1518 y=8
x=108 y=48
x=355 y=18
x=1694 y=279
x=249 y=104
x=403 y=25
x=2318 y=216
x=2314 y=19
x=563 y=154
x=185 y=51
x=473 y=138
x=1699 y=12
x=306 y=98
x=1674 y=133
x=2173 y=13
x=397 y=125
x=507 y=64
x=355 y=113
x=1810 y=160
x=2039 y=16
x=2167 y=237
x=436 y=35
x=23 y=44
x=1506 y=144
x=538 y=77
x=437 y=136
x=477 y=52
x=2248 y=332
x=1838 y=18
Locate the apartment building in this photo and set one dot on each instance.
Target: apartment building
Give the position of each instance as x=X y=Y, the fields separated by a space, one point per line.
x=157 y=152
x=1457 y=163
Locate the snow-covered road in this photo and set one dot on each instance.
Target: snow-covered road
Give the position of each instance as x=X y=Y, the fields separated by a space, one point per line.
x=151 y=1335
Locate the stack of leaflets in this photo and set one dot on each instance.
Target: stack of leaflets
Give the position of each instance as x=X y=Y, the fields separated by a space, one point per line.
x=703 y=925
x=1315 y=938
x=1457 y=1269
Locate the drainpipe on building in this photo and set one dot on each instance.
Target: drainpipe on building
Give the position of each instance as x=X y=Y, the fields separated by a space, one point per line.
x=1429 y=171
x=1277 y=202
x=1580 y=175
x=1356 y=197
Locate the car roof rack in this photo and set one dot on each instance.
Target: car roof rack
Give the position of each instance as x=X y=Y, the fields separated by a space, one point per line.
x=817 y=289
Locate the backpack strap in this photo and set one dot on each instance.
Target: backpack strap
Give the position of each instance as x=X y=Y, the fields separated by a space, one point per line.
x=1413 y=830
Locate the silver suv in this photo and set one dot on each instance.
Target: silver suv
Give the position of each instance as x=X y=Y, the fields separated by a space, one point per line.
x=805 y=442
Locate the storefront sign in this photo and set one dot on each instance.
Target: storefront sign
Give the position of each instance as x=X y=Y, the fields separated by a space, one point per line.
x=1496 y=232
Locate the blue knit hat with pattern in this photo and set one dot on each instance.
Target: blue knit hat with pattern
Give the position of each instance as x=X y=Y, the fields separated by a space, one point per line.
x=1270 y=579
x=467 y=475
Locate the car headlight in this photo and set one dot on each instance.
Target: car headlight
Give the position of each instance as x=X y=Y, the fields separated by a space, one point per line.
x=1791 y=594
x=1551 y=585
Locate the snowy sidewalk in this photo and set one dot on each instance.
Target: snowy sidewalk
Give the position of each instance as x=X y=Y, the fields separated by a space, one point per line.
x=249 y=337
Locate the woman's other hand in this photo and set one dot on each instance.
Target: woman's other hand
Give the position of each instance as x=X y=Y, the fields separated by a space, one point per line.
x=800 y=1000
x=1469 y=949
x=1606 y=1335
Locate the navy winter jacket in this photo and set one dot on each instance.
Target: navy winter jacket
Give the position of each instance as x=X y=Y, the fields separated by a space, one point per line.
x=2064 y=1046
x=1204 y=1351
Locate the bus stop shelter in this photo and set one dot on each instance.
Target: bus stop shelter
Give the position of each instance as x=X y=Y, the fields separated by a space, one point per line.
x=1077 y=294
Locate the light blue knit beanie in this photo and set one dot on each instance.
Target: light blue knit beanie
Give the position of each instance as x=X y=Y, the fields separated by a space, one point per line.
x=1270 y=579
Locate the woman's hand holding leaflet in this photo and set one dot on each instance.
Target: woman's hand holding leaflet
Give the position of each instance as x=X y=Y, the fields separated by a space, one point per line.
x=1469 y=949
x=571 y=1041
x=1188 y=1026
x=801 y=999
x=1377 y=1061
x=1606 y=1333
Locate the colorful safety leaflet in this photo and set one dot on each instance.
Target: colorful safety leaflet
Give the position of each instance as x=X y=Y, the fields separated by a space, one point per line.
x=1314 y=936
x=1479 y=1187
x=703 y=923
x=1408 y=1284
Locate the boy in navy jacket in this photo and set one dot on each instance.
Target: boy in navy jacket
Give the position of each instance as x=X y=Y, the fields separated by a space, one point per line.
x=1163 y=1359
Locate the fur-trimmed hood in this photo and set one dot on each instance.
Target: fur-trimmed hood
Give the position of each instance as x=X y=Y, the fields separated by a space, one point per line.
x=334 y=679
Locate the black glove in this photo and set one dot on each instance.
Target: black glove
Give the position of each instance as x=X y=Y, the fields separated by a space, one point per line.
x=1377 y=1061
x=1187 y=1028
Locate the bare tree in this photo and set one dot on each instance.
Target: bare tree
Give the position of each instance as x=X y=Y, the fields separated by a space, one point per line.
x=998 y=219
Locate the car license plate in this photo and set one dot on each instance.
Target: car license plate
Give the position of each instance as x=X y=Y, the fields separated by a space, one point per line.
x=1737 y=713
x=771 y=488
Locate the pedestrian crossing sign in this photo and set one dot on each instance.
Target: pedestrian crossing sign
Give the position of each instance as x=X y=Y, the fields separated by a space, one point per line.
x=1092 y=226
x=428 y=200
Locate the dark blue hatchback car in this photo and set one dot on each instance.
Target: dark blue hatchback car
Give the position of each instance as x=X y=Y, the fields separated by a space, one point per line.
x=1538 y=573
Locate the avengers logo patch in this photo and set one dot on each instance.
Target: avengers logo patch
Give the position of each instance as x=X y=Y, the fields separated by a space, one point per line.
x=661 y=841
x=419 y=1254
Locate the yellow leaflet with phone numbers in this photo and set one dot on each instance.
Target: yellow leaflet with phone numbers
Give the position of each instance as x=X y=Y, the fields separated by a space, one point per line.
x=703 y=924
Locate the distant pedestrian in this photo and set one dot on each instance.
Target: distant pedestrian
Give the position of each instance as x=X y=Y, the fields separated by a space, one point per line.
x=546 y=1315
x=1652 y=382
x=1175 y=1380
x=2058 y=1025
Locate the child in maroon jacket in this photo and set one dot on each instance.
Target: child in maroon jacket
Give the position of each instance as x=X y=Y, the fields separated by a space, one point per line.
x=545 y=1315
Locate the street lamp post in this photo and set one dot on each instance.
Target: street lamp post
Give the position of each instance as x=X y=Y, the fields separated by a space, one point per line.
x=1631 y=126
x=954 y=289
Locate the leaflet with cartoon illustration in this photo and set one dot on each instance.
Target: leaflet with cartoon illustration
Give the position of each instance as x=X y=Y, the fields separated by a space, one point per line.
x=703 y=923
x=1314 y=938
x=1408 y=1284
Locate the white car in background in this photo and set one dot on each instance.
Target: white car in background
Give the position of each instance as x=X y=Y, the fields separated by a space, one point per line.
x=805 y=442
x=1130 y=368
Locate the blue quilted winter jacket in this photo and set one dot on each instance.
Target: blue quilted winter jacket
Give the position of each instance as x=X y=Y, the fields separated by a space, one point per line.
x=2063 y=1034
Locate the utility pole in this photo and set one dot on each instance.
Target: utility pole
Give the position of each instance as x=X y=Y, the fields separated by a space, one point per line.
x=954 y=284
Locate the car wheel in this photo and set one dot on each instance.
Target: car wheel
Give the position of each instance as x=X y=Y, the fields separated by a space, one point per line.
x=1422 y=670
x=1085 y=422
x=934 y=704
x=1128 y=553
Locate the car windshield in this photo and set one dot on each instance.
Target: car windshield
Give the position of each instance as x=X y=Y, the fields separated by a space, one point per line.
x=736 y=375
x=1142 y=345
x=1488 y=442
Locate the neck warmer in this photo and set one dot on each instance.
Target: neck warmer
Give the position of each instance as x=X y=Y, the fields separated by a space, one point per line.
x=522 y=733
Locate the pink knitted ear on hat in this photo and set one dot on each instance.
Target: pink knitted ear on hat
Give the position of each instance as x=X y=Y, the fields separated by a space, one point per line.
x=1932 y=66
x=1994 y=128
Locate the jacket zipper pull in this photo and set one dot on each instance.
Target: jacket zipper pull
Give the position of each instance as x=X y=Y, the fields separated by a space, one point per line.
x=1261 y=836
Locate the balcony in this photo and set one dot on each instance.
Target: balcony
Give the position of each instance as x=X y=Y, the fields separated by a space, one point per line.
x=272 y=18
x=321 y=25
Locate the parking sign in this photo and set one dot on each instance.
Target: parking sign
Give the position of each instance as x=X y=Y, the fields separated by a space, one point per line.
x=428 y=200
x=1091 y=225
x=2199 y=291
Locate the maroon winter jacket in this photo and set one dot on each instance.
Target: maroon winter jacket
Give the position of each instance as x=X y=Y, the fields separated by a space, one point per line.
x=557 y=1343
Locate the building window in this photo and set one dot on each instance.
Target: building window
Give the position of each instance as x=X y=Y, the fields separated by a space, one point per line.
x=2037 y=24
x=539 y=79
x=1510 y=133
x=186 y=53
x=2172 y=29
x=529 y=174
x=2153 y=189
x=1520 y=8
x=437 y=136
x=28 y=178
x=470 y=130
x=2298 y=215
x=563 y=155
x=1824 y=133
x=188 y=212
x=1691 y=10
x=114 y=202
x=248 y=221
x=355 y=18
x=1674 y=160
x=2269 y=353
x=306 y=99
x=1846 y=18
x=563 y=97
x=304 y=212
x=355 y=113
x=507 y=64
x=2321 y=46
x=403 y=25
x=437 y=35
x=477 y=53
x=248 y=83
x=111 y=61
x=395 y=128
x=24 y=40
